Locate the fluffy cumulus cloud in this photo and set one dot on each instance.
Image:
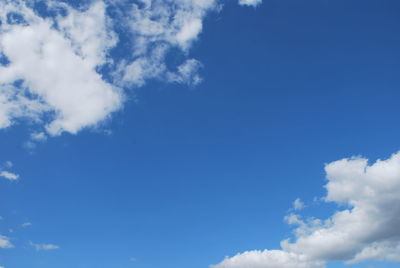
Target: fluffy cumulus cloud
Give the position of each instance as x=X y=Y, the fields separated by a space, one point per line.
x=268 y=259
x=253 y=3
x=367 y=229
x=42 y=247
x=52 y=67
x=67 y=68
x=51 y=75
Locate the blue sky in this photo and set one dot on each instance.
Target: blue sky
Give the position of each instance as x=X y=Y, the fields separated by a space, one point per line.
x=179 y=133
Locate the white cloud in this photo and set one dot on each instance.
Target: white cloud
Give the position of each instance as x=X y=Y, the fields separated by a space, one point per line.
x=177 y=22
x=68 y=72
x=268 y=259
x=298 y=204
x=57 y=58
x=8 y=164
x=9 y=175
x=5 y=242
x=367 y=229
x=253 y=3
x=187 y=73
x=35 y=138
x=26 y=224
x=38 y=136
x=158 y=26
x=42 y=247
x=57 y=67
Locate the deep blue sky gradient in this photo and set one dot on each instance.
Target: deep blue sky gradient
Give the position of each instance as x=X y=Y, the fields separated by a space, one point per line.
x=190 y=175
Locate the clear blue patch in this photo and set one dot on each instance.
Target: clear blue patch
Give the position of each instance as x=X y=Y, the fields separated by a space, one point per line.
x=18 y=83
x=174 y=58
x=43 y=10
x=4 y=61
x=16 y=18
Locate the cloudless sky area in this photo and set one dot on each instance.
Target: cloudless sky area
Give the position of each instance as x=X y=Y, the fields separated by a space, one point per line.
x=186 y=175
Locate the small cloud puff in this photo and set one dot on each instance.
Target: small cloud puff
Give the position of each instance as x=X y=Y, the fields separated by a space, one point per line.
x=41 y=247
x=253 y=3
x=9 y=175
x=298 y=204
x=38 y=136
x=26 y=224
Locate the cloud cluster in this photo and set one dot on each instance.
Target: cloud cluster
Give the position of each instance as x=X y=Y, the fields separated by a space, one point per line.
x=5 y=242
x=7 y=174
x=52 y=67
x=366 y=229
x=67 y=68
x=155 y=28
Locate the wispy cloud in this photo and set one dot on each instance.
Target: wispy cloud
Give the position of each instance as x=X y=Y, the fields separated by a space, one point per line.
x=8 y=164
x=298 y=204
x=38 y=136
x=253 y=3
x=9 y=175
x=26 y=224
x=43 y=247
x=157 y=27
x=366 y=230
